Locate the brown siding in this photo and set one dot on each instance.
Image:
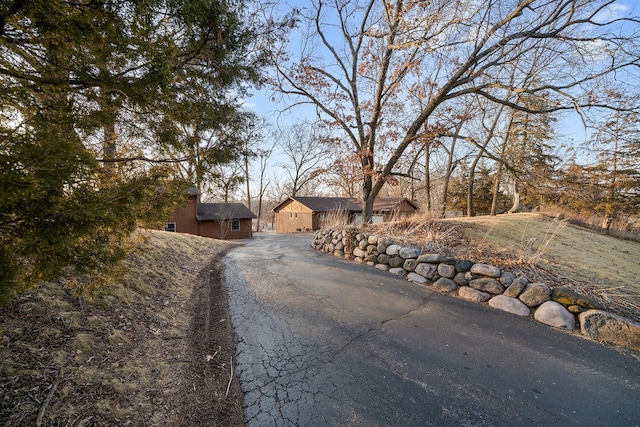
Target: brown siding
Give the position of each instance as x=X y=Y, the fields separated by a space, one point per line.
x=186 y=222
x=185 y=217
x=222 y=230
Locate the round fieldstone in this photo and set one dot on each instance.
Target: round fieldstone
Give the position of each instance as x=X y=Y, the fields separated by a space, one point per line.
x=516 y=287
x=507 y=277
x=487 y=284
x=357 y=252
x=395 y=262
x=372 y=258
x=414 y=277
x=535 y=294
x=383 y=259
x=435 y=258
x=363 y=244
x=460 y=279
x=554 y=314
x=510 y=305
x=445 y=285
x=463 y=265
x=447 y=270
x=383 y=267
x=393 y=250
x=410 y=264
x=409 y=252
x=430 y=271
x=373 y=240
x=398 y=271
x=485 y=270
x=472 y=294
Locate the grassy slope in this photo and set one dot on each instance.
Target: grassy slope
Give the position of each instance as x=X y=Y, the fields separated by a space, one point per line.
x=117 y=360
x=607 y=265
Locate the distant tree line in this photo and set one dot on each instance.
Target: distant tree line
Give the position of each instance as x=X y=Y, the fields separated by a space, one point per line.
x=456 y=104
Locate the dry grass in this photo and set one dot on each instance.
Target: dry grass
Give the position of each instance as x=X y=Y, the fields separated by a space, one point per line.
x=432 y=235
x=557 y=252
x=541 y=248
x=335 y=219
x=123 y=358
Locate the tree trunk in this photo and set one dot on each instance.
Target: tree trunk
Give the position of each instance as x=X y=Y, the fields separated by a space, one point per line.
x=496 y=190
x=516 y=197
x=246 y=173
x=427 y=178
x=109 y=149
x=368 y=195
x=447 y=176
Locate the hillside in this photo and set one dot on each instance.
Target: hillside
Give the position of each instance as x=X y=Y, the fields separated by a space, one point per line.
x=154 y=349
x=605 y=266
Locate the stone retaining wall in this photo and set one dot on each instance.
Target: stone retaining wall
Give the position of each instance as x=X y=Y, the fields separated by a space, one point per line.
x=560 y=307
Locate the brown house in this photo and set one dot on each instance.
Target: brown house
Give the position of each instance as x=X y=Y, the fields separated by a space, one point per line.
x=217 y=220
x=307 y=213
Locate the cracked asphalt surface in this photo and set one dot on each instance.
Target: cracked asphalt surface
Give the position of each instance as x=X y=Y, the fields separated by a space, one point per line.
x=326 y=342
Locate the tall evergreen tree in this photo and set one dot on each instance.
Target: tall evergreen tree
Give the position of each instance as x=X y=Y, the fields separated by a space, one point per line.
x=87 y=90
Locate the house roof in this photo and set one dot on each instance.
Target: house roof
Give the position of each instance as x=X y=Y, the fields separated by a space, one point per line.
x=328 y=204
x=218 y=211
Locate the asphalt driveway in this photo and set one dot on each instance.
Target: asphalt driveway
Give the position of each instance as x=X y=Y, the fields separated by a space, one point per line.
x=326 y=342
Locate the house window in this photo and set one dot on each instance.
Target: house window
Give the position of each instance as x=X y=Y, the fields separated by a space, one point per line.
x=235 y=225
x=170 y=226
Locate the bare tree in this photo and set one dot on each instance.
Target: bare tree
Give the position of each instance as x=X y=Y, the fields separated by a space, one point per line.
x=305 y=153
x=357 y=53
x=263 y=183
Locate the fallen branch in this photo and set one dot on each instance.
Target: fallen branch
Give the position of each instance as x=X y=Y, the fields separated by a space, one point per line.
x=43 y=408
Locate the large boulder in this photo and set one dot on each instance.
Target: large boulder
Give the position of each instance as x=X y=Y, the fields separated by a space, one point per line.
x=395 y=261
x=435 y=258
x=463 y=265
x=414 y=277
x=556 y=315
x=359 y=252
x=609 y=328
x=410 y=264
x=393 y=250
x=445 y=285
x=510 y=305
x=430 y=271
x=567 y=296
x=535 y=294
x=516 y=287
x=398 y=271
x=474 y=295
x=487 y=284
x=409 y=252
x=447 y=270
x=485 y=270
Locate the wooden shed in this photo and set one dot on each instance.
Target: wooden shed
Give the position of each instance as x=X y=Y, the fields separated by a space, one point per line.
x=224 y=221
x=296 y=214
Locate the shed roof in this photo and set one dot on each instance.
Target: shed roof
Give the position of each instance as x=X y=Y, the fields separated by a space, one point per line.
x=329 y=204
x=219 y=211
